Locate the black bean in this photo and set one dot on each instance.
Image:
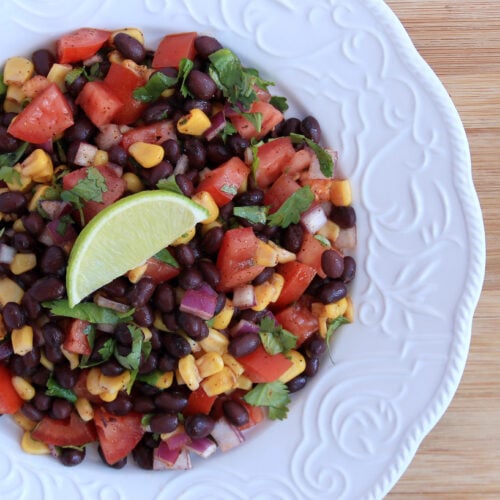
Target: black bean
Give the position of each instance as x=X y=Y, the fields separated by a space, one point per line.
x=22 y=241
x=174 y=402
x=209 y=272
x=199 y=425
x=290 y=126
x=159 y=110
x=13 y=316
x=235 y=412
x=47 y=288
x=292 y=237
x=7 y=142
x=206 y=45
x=141 y=292
x=32 y=358
x=143 y=456
x=190 y=278
x=53 y=353
x=43 y=60
x=349 y=269
x=164 y=298
x=332 y=292
x=29 y=411
x=82 y=130
x=296 y=383
x=201 y=85
x=31 y=306
x=118 y=155
x=121 y=405
x=65 y=376
x=217 y=153
x=52 y=334
x=40 y=376
x=315 y=346
x=244 y=344
x=184 y=255
x=33 y=223
x=312 y=366
x=5 y=350
x=212 y=240
x=194 y=326
x=176 y=345
x=148 y=364
x=310 y=127
x=155 y=339
x=193 y=176
x=170 y=320
x=61 y=409
x=203 y=105
x=165 y=422
x=12 y=202
x=172 y=151
x=53 y=260
x=344 y=217
x=143 y=404
x=28 y=278
x=249 y=198
x=226 y=211
x=130 y=47
x=123 y=335
x=221 y=302
x=195 y=152
x=167 y=363
x=252 y=316
x=144 y=316
x=111 y=368
x=117 y=288
x=332 y=263
x=41 y=401
x=146 y=389
x=185 y=184
x=72 y=456
x=76 y=86
x=6 y=118
x=263 y=276
x=151 y=176
x=238 y=144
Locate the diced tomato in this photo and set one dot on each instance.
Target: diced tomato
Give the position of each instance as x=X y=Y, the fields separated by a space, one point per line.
x=224 y=181
x=72 y=431
x=298 y=277
x=77 y=340
x=10 y=402
x=310 y=253
x=160 y=271
x=199 y=402
x=115 y=185
x=173 y=48
x=320 y=188
x=236 y=258
x=118 y=435
x=255 y=415
x=299 y=162
x=262 y=367
x=299 y=320
x=45 y=117
x=99 y=102
x=154 y=133
x=273 y=158
x=123 y=81
x=279 y=192
x=80 y=44
x=270 y=118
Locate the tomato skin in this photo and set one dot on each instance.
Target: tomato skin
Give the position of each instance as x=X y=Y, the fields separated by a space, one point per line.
x=70 y=432
x=233 y=173
x=154 y=133
x=76 y=339
x=262 y=367
x=80 y=44
x=298 y=277
x=279 y=192
x=99 y=103
x=299 y=320
x=173 y=48
x=160 y=271
x=118 y=435
x=123 y=81
x=273 y=158
x=310 y=253
x=236 y=258
x=199 y=402
x=46 y=116
x=270 y=118
x=10 y=402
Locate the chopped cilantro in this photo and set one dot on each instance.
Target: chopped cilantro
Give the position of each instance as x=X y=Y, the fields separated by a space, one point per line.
x=185 y=67
x=3 y=86
x=169 y=184
x=275 y=338
x=290 y=211
x=253 y=213
x=279 y=103
x=154 y=87
x=325 y=160
x=165 y=256
x=229 y=189
x=150 y=378
x=274 y=395
x=255 y=119
x=54 y=389
x=334 y=325
x=87 y=311
x=228 y=130
x=10 y=176
x=323 y=240
x=7 y=163
x=72 y=75
x=255 y=159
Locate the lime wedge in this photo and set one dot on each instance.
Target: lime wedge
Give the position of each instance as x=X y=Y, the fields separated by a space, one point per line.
x=124 y=235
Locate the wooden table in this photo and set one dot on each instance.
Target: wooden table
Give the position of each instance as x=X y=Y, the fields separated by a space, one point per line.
x=460 y=39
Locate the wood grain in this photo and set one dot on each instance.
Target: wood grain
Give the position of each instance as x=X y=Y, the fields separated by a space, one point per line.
x=460 y=39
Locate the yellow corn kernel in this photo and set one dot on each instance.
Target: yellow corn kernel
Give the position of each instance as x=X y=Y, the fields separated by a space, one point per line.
x=23 y=388
x=3 y=328
x=340 y=192
x=37 y=195
x=266 y=255
x=158 y=322
x=232 y=363
x=57 y=74
x=278 y=282
x=18 y=226
x=146 y=333
x=206 y=227
x=93 y=381
x=283 y=254
x=24 y=422
x=38 y=166
x=209 y=363
x=244 y=383
x=107 y=396
x=14 y=99
x=223 y=318
x=22 y=340
x=178 y=378
x=20 y=182
x=134 y=183
x=220 y=382
x=100 y=158
x=323 y=326
x=33 y=446
x=146 y=154
x=84 y=409
x=205 y=199
x=45 y=362
x=134 y=275
x=214 y=342
x=189 y=372
x=194 y=123
x=22 y=262
x=114 y=56
x=17 y=70
x=349 y=311
x=133 y=32
x=330 y=231
x=264 y=295
x=185 y=238
x=298 y=366
x=165 y=380
x=72 y=357
x=114 y=384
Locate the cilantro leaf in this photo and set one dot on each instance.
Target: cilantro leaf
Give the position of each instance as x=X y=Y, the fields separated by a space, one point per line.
x=325 y=159
x=253 y=213
x=72 y=75
x=54 y=389
x=91 y=187
x=229 y=189
x=255 y=159
x=290 y=211
x=10 y=176
x=185 y=67
x=228 y=130
x=165 y=256
x=279 y=103
x=87 y=311
x=10 y=159
x=3 y=86
x=323 y=240
x=150 y=378
x=334 y=325
x=154 y=87
x=169 y=184
x=275 y=338
x=255 y=119
x=274 y=395
x=132 y=360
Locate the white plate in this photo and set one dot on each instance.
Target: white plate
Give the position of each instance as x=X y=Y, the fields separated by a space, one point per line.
x=352 y=432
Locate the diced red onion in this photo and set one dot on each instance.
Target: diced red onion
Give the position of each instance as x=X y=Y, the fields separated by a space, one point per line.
x=47 y=146
x=109 y=135
x=244 y=297
x=164 y=458
x=226 y=435
x=165 y=454
x=206 y=288
x=182 y=165
x=177 y=440
x=51 y=236
x=243 y=326
x=218 y=123
x=102 y=301
x=117 y=169
x=85 y=154
x=6 y=253
x=199 y=302
x=203 y=447
x=313 y=219
x=183 y=461
x=55 y=208
x=346 y=238
x=96 y=58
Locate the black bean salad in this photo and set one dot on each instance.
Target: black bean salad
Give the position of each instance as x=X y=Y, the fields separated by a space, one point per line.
x=202 y=341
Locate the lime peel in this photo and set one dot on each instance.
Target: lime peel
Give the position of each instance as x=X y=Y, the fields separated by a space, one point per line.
x=124 y=235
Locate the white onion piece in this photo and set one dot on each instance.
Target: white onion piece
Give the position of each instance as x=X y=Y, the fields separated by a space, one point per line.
x=203 y=447
x=55 y=208
x=226 y=435
x=183 y=461
x=106 y=327
x=6 y=253
x=313 y=219
x=85 y=154
x=102 y=301
x=315 y=169
x=248 y=156
x=182 y=165
x=110 y=135
x=346 y=238
x=244 y=297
